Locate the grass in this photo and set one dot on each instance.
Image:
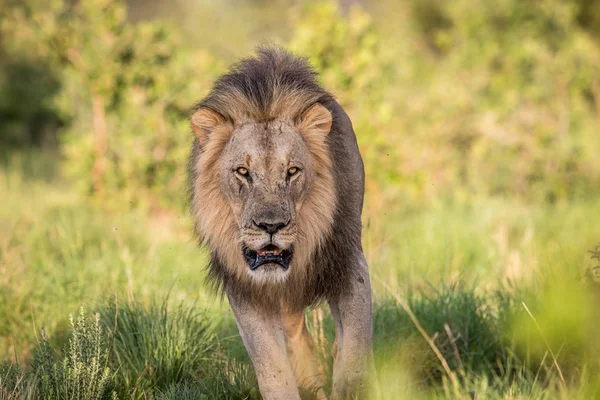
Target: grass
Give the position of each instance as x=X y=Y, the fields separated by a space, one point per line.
x=12 y=381
x=505 y=291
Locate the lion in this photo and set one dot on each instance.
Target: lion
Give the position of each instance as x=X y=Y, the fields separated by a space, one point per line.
x=277 y=187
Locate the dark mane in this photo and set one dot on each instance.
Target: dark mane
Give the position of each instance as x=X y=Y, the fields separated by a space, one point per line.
x=272 y=84
x=275 y=84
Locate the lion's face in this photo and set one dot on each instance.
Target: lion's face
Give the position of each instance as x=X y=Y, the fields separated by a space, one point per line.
x=266 y=191
x=265 y=175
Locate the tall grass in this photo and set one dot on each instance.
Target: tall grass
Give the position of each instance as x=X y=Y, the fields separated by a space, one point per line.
x=12 y=381
x=153 y=347
x=464 y=270
x=154 y=352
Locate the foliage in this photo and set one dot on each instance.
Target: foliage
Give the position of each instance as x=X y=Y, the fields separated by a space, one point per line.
x=83 y=372
x=227 y=379
x=12 y=381
x=511 y=101
x=183 y=392
x=356 y=67
x=125 y=90
x=498 y=101
x=33 y=119
x=469 y=330
x=495 y=101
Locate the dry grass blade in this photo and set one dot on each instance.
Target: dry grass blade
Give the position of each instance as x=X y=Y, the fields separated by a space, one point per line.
x=537 y=374
x=555 y=362
x=455 y=349
x=423 y=333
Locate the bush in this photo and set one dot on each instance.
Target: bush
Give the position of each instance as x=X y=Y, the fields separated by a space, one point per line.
x=495 y=101
x=452 y=101
x=125 y=90
x=359 y=70
x=174 y=354
x=509 y=105
x=83 y=372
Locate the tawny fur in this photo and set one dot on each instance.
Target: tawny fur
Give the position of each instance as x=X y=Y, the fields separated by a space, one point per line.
x=217 y=228
x=267 y=115
x=285 y=101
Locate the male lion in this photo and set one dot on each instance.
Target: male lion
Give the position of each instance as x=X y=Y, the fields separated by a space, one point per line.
x=277 y=186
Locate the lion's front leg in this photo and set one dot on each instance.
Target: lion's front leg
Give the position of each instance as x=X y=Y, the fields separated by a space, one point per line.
x=353 y=365
x=263 y=337
x=300 y=350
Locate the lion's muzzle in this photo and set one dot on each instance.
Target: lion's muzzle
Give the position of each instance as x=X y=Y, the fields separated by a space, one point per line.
x=269 y=254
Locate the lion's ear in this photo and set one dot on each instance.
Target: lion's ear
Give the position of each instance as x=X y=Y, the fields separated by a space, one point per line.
x=317 y=118
x=204 y=121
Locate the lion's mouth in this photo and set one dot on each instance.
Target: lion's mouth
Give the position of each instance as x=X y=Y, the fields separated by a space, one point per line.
x=269 y=254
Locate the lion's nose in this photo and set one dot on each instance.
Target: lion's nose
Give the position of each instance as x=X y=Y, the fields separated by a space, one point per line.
x=270 y=227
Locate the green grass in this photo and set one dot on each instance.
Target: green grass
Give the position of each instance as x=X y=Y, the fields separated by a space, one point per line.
x=467 y=271
x=154 y=348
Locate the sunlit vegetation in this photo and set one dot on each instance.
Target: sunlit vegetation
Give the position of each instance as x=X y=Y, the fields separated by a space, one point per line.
x=478 y=124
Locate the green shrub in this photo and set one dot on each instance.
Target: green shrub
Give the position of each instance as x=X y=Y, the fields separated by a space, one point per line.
x=82 y=372
x=27 y=113
x=452 y=100
x=155 y=353
x=125 y=90
x=460 y=100
x=510 y=106
x=359 y=70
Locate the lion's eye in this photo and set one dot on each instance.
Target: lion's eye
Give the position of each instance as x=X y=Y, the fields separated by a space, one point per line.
x=242 y=171
x=293 y=171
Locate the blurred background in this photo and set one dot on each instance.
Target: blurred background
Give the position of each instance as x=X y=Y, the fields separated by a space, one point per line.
x=479 y=125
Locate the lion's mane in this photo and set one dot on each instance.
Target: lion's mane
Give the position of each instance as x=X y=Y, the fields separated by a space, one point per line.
x=277 y=85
